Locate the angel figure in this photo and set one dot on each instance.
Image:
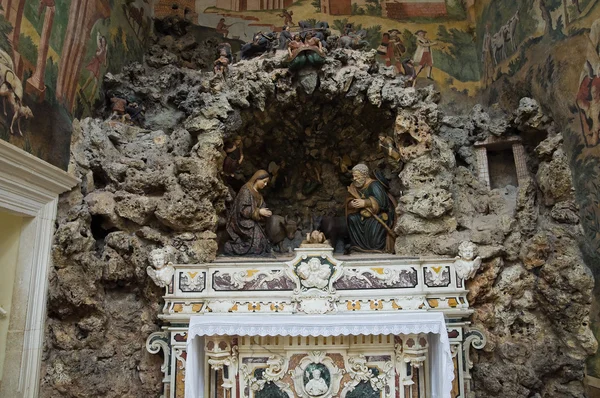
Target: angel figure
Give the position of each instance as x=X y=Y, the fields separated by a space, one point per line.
x=314 y=273
x=161 y=271
x=466 y=263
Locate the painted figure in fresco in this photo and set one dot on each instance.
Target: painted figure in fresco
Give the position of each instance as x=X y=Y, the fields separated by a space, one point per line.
x=248 y=237
x=487 y=57
x=100 y=59
x=136 y=15
x=287 y=17
x=316 y=386
x=11 y=92
x=235 y=156
x=370 y=212
x=222 y=27
x=309 y=52
x=423 y=56
x=588 y=106
x=392 y=48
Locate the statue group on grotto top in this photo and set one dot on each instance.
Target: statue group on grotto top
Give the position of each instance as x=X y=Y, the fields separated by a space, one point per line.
x=307 y=44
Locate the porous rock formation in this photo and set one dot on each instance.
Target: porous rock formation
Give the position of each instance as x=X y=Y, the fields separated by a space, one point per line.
x=532 y=295
x=160 y=185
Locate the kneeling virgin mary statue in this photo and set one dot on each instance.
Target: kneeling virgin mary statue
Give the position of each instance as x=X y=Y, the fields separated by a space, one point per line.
x=248 y=236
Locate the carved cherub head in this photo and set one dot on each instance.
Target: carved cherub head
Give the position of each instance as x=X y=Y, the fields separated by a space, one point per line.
x=467 y=250
x=160 y=257
x=157 y=258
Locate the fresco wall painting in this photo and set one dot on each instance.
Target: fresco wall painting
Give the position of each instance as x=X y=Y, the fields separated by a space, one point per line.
x=549 y=50
x=53 y=56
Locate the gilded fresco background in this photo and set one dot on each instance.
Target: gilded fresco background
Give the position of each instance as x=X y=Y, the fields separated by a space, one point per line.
x=54 y=54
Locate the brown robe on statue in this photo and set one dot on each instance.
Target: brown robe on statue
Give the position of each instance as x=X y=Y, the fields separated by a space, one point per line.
x=247 y=235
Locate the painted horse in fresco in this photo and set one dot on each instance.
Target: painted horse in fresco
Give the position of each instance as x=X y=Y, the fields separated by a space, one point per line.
x=588 y=106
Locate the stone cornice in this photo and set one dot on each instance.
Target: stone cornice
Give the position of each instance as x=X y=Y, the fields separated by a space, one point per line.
x=27 y=183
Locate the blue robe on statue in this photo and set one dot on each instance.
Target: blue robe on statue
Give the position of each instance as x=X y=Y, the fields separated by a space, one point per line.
x=367 y=234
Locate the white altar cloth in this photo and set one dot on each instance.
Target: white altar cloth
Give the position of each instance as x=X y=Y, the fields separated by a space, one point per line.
x=442 y=367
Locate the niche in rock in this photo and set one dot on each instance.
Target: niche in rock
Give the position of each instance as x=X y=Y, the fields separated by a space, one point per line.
x=502 y=168
x=309 y=148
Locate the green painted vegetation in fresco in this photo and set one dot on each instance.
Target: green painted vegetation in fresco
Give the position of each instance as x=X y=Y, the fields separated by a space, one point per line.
x=497 y=14
x=371 y=7
x=59 y=25
x=458 y=56
x=317 y=5
x=457 y=9
x=5 y=29
x=51 y=77
x=28 y=49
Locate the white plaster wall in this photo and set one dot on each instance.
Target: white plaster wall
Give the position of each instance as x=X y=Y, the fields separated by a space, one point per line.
x=10 y=233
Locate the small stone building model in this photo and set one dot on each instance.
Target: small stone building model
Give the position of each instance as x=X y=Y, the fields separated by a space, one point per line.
x=506 y=149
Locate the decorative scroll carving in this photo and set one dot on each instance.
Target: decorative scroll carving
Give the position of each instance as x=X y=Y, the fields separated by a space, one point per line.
x=181 y=355
x=274 y=373
x=160 y=341
x=316 y=304
x=252 y=280
x=314 y=269
x=240 y=279
x=409 y=303
x=277 y=368
x=192 y=282
x=359 y=372
x=437 y=276
x=476 y=338
x=377 y=278
x=314 y=276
